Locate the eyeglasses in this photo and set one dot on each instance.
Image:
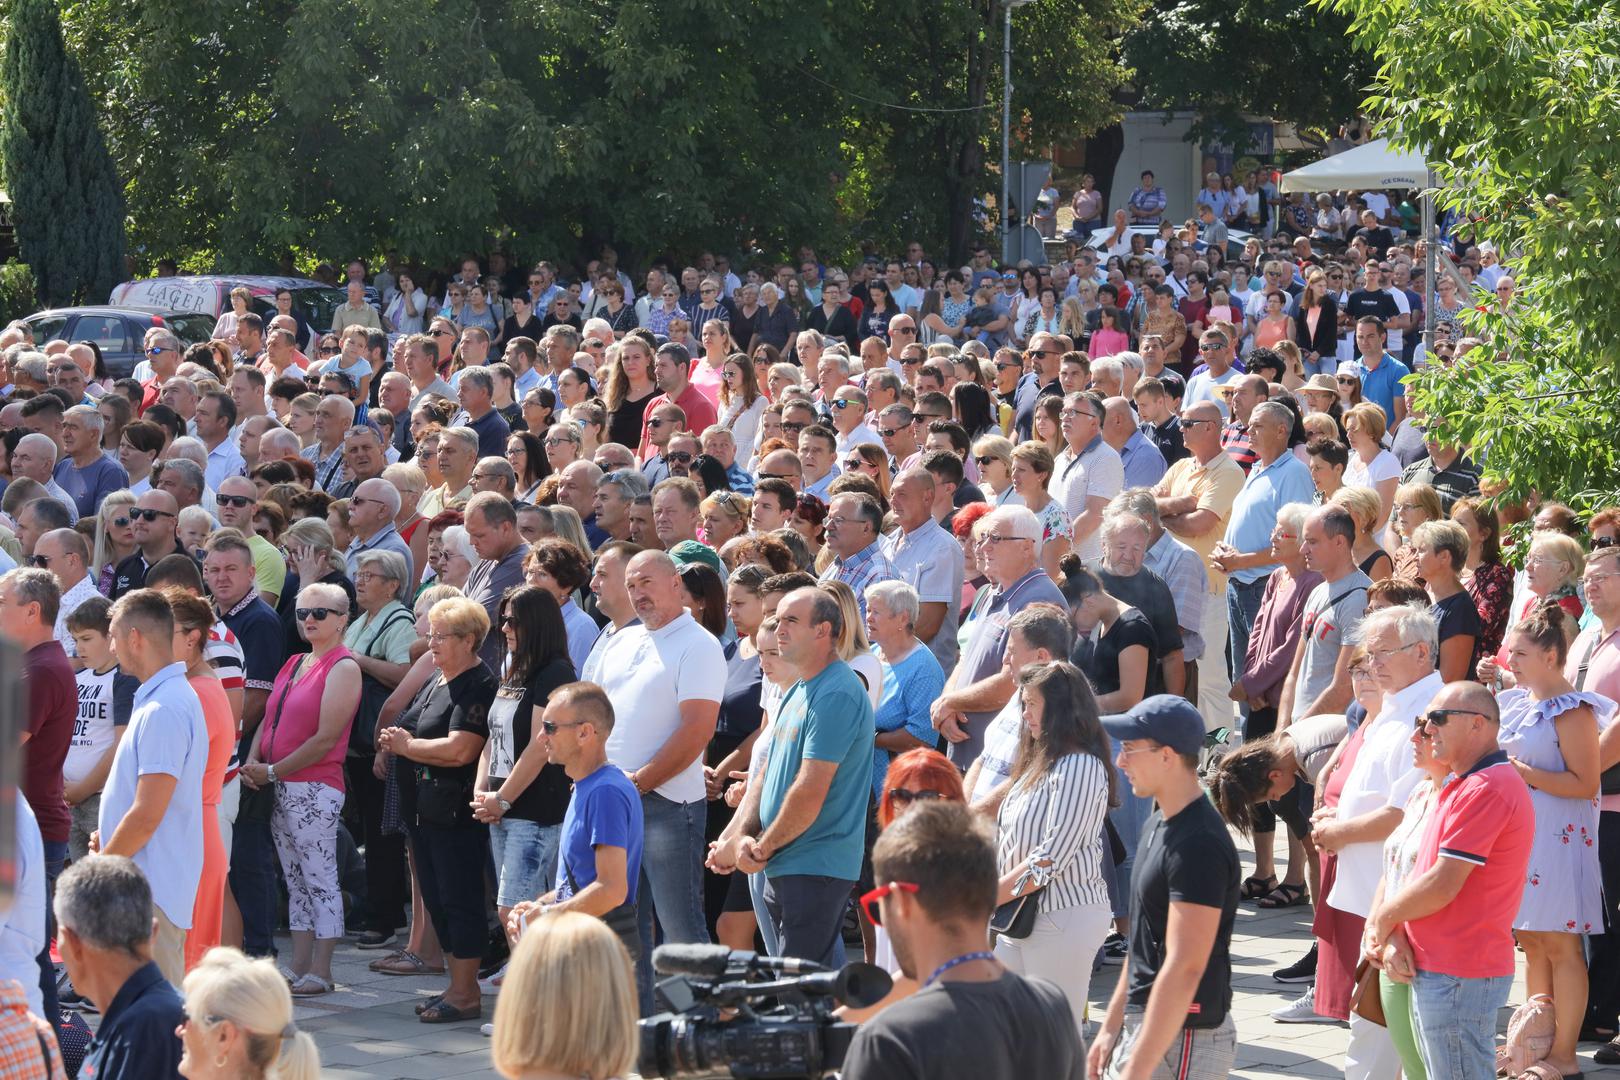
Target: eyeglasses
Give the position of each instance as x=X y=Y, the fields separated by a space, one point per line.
x=905 y=796
x=1385 y=656
x=443 y=333
x=907 y=330
x=319 y=614
x=1005 y=364
x=157 y=351
x=120 y=522
x=842 y=403
x=869 y=901
x=551 y=727
x=1347 y=380
x=654 y=422
x=1075 y=414
x=983 y=462
x=794 y=426
x=243 y=500
x=912 y=361
x=39 y=560
x=927 y=418
x=1209 y=346
x=891 y=432
x=1439 y=718
x=993 y=538
x=594 y=344
x=141 y=514
x=1589 y=580
x=775 y=476
x=680 y=457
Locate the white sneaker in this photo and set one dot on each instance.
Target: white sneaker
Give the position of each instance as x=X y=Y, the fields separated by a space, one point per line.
x=486 y=1030
x=1302 y=1010
x=492 y=985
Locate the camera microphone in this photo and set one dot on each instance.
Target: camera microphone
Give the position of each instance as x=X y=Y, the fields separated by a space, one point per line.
x=716 y=961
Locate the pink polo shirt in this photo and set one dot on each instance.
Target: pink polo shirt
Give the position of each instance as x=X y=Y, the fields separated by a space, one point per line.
x=1600 y=653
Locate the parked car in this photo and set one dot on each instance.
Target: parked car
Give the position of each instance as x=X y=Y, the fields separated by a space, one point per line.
x=210 y=294
x=118 y=331
x=1098 y=240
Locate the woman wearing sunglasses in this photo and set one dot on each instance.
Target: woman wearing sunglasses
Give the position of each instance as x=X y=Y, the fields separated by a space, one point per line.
x=115 y=538
x=300 y=748
x=915 y=777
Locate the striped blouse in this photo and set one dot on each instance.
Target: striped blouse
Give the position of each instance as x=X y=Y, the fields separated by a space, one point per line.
x=1060 y=818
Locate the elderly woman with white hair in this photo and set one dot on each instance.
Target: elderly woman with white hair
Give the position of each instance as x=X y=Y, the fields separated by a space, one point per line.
x=239 y=1023
x=459 y=556
x=912 y=677
x=299 y=747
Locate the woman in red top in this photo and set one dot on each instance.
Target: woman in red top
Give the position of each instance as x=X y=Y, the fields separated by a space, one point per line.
x=299 y=747
x=193 y=618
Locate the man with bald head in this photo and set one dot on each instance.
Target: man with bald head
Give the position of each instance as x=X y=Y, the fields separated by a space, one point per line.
x=372 y=510
x=154 y=520
x=902 y=332
x=783 y=465
x=35 y=458
x=1144 y=463
x=249 y=434
x=665 y=676
x=1195 y=501
x=233 y=506
x=576 y=487
x=66 y=555
x=1247 y=392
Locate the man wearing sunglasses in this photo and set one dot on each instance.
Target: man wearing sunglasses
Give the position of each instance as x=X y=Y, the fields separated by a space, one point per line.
x=1448 y=928
x=163 y=351
x=936 y=869
x=235 y=499
x=154 y=520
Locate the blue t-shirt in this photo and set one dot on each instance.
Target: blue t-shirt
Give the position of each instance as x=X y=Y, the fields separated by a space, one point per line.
x=828 y=718
x=605 y=810
x=91 y=484
x=909 y=689
x=1382 y=385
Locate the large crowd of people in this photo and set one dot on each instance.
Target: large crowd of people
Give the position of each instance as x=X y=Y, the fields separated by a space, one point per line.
x=516 y=625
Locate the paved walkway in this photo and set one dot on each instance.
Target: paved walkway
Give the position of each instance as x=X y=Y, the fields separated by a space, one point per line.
x=367 y=1029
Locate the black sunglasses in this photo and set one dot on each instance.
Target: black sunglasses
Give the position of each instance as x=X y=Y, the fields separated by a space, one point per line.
x=319 y=614
x=906 y=797
x=680 y=457
x=1442 y=717
x=239 y=500
x=139 y=514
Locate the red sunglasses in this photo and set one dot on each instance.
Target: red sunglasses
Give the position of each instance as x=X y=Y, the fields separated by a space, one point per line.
x=869 y=901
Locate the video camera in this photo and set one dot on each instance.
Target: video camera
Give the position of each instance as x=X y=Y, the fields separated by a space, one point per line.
x=736 y=1015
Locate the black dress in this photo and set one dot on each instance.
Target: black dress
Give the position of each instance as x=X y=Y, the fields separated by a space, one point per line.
x=624 y=423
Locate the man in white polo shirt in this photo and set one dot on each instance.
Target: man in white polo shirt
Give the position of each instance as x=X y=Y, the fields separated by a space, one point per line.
x=665 y=677
x=1087 y=473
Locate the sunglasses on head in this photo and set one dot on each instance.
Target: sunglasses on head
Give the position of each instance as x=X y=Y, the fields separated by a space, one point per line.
x=319 y=614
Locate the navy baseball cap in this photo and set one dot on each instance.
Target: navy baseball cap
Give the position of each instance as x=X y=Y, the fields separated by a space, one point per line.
x=1165 y=719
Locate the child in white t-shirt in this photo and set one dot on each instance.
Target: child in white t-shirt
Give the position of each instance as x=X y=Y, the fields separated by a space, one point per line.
x=106 y=696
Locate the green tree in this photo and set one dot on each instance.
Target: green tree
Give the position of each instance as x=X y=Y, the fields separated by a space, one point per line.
x=1231 y=59
x=66 y=199
x=1516 y=106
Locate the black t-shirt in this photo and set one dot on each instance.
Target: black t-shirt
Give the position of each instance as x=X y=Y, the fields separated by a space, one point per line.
x=1378 y=238
x=1168 y=439
x=1100 y=661
x=1013 y=1026
x=1187 y=859
x=624 y=423
x=545 y=800
x=740 y=711
x=1146 y=592
x=441 y=709
x=1364 y=302
x=1457 y=614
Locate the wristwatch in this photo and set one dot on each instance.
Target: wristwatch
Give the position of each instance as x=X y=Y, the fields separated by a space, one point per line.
x=270 y=772
x=506 y=807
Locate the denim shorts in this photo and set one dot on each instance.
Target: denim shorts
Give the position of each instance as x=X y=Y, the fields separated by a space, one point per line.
x=525 y=854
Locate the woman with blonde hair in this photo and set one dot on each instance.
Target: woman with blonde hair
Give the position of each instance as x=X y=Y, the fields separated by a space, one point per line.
x=1416 y=505
x=1552 y=573
x=853 y=647
x=115 y=538
x=1072 y=317
x=725 y=516
x=588 y=1032
x=994 y=457
x=239 y=1023
x=1364 y=506
x=1030 y=472
x=1371 y=466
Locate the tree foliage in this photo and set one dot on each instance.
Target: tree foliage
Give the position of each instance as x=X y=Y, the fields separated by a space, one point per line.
x=1516 y=106
x=341 y=126
x=66 y=198
x=1230 y=59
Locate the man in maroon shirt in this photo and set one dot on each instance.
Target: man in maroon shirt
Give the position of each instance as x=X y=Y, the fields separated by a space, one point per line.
x=672 y=368
x=28 y=603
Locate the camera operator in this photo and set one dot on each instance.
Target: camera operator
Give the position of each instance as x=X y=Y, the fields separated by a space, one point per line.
x=936 y=874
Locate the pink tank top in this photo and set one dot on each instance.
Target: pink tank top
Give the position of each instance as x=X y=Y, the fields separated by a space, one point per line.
x=293 y=715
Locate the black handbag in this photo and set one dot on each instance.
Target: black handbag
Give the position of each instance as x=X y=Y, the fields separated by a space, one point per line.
x=373 y=694
x=1016 y=918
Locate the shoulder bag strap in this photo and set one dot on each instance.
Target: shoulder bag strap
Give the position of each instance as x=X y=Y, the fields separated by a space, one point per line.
x=275 y=721
x=383 y=629
x=1586 y=660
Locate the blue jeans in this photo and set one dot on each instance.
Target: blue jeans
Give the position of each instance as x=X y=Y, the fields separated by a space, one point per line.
x=1242 y=608
x=525 y=854
x=55 y=856
x=1456 y=1023
x=253 y=883
x=671 y=886
x=1128 y=817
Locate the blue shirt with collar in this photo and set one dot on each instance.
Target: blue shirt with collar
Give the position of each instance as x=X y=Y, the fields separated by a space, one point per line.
x=1144 y=463
x=136 y=1039
x=1267 y=489
x=1382 y=384
x=741 y=482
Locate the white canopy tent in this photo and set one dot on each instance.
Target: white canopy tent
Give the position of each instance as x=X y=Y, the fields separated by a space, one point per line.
x=1377 y=165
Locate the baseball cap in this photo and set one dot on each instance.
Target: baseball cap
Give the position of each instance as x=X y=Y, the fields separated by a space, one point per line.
x=1164 y=718
x=690 y=551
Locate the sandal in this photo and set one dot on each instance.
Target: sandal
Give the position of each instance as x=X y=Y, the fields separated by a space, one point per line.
x=424 y=1006
x=1543 y=1071
x=1256 y=887
x=377 y=964
x=310 y=984
x=1608 y=1053
x=1283 y=896
x=407 y=963
x=442 y=1012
